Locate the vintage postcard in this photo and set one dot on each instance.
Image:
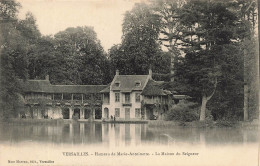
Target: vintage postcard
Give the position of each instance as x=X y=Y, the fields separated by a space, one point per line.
x=129 y=82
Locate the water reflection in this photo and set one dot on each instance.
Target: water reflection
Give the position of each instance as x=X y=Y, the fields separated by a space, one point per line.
x=122 y=134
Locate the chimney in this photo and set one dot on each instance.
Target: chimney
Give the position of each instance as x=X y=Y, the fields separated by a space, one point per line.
x=47 y=77
x=117 y=72
x=150 y=73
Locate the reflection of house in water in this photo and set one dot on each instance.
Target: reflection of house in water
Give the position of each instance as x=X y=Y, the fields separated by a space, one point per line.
x=85 y=133
x=44 y=100
x=73 y=133
x=123 y=134
x=115 y=135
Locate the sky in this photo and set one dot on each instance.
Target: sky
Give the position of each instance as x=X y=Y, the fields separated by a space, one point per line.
x=106 y=16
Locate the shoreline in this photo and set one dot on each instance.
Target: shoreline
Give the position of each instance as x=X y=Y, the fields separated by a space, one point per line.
x=206 y=124
x=150 y=123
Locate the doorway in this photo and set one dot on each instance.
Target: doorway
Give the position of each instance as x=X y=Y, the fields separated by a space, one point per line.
x=66 y=113
x=98 y=113
x=76 y=113
x=106 y=112
x=127 y=113
x=87 y=113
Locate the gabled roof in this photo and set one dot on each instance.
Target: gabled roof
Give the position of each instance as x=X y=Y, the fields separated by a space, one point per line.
x=154 y=88
x=46 y=87
x=127 y=83
x=106 y=90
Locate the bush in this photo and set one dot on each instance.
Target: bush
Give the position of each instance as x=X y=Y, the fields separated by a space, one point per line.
x=184 y=111
x=226 y=123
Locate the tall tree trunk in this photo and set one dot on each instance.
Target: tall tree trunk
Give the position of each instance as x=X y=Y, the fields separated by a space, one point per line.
x=172 y=66
x=203 y=107
x=172 y=56
x=245 y=102
x=245 y=86
x=205 y=99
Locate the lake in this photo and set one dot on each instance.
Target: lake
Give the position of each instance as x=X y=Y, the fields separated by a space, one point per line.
x=107 y=137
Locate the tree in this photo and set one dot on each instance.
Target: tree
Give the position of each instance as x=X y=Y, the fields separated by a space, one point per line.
x=139 y=44
x=140 y=47
x=247 y=15
x=116 y=58
x=82 y=56
x=175 y=33
x=12 y=60
x=32 y=36
x=207 y=37
x=169 y=13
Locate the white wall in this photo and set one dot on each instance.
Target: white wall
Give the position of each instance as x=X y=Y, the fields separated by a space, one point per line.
x=114 y=105
x=54 y=113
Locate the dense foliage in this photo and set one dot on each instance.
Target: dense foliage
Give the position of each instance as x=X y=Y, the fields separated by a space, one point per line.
x=140 y=48
x=73 y=56
x=13 y=60
x=211 y=54
x=213 y=65
x=184 y=111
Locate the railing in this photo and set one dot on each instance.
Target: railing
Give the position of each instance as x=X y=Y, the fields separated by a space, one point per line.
x=127 y=104
x=154 y=101
x=62 y=102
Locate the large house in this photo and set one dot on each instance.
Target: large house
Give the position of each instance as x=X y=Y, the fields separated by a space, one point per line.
x=135 y=97
x=127 y=97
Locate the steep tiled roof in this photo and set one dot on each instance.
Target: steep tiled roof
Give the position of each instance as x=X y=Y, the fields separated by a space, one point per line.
x=47 y=87
x=154 y=88
x=127 y=83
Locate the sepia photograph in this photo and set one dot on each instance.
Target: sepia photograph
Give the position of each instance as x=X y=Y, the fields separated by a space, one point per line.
x=129 y=83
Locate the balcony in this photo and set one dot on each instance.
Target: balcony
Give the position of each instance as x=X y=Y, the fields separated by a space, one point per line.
x=127 y=104
x=154 y=101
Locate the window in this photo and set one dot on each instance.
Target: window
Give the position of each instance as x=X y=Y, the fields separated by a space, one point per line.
x=117 y=84
x=87 y=96
x=77 y=96
x=137 y=97
x=142 y=113
x=67 y=96
x=137 y=112
x=106 y=98
x=117 y=97
x=127 y=97
x=57 y=96
x=137 y=84
x=117 y=112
